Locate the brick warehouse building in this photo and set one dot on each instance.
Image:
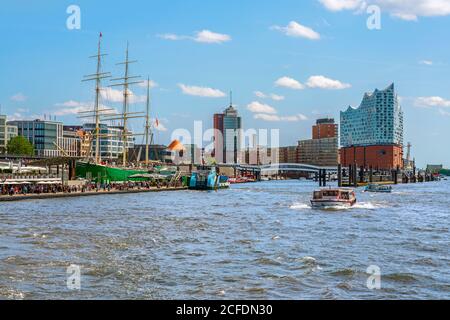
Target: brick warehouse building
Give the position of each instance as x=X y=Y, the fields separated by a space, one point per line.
x=372 y=134
x=324 y=129
x=377 y=157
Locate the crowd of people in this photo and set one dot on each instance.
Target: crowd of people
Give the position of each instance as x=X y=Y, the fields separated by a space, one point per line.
x=27 y=189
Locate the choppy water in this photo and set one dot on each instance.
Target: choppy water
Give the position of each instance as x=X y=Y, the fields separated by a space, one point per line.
x=256 y=241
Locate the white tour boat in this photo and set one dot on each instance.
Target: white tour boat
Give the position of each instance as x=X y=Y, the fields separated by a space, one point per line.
x=333 y=198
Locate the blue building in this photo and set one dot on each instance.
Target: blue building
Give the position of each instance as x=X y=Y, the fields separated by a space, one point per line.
x=377 y=121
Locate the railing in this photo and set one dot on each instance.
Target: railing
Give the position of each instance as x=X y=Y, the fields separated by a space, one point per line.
x=20 y=177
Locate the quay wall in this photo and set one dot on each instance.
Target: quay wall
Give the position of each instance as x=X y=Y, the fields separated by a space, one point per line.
x=42 y=196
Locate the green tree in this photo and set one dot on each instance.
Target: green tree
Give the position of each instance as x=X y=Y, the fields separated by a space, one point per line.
x=20 y=146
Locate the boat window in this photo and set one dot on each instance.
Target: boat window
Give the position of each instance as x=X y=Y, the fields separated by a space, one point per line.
x=317 y=195
x=330 y=193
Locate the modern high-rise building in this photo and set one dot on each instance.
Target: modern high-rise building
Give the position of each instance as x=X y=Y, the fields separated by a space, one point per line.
x=372 y=134
x=218 y=136
x=7 y=132
x=228 y=136
x=377 y=121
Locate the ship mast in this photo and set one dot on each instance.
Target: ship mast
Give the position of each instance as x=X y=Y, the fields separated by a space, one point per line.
x=147 y=123
x=96 y=113
x=125 y=116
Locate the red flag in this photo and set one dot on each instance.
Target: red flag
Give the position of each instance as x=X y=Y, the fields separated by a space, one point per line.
x=157 y=122
x=101 y=35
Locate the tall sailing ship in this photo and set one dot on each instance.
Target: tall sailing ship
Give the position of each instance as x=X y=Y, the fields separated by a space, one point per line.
x=92 y=167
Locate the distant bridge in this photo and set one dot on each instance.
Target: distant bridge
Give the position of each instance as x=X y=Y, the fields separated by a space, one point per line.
x=282 y=168
x=294 y=167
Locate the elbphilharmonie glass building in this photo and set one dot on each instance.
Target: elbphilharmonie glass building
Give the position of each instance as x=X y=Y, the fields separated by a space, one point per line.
x=377 y=121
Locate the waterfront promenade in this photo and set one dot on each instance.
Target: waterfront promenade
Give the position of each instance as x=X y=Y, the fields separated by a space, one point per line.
x=35 y=196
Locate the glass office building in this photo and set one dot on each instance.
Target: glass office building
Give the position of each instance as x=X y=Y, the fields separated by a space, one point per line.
x=232 y=125
x=45 y=135
x=377 y=121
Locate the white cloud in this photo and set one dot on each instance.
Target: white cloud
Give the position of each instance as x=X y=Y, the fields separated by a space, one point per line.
x=144 y=84
x=20 y=116
x=73 y=107
x=19 y=97
x=207 y=36
x=171 y=36
x=338 y=5
x=260 y=94
x=426 y=62
x=322 y=82
x=405 y=16
x=277 y=118
x=267 y=117
x=23 y=110
x=276 y=97
x=290 y=83
x=296 y=30
x=204 y=36
x=409 y=10
x=272 y=96
x=258 y=107
x=116 y=96
x=428 y=102
x=201 y=91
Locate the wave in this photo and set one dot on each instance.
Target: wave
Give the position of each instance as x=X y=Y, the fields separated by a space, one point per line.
x=344 y=272
x=367 y=205
x=400 y=277
x=300 y=206
x=11 y=294
x=268 y=262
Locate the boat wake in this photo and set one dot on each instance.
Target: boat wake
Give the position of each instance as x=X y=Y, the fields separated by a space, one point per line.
x=300 y=206
x=366 y=205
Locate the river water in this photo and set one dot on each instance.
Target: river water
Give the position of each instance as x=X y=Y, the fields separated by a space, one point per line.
x=254 y=241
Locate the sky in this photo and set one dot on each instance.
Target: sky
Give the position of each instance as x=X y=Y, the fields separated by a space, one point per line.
x=288 y=62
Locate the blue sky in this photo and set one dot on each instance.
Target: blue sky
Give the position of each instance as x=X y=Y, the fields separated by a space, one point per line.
x=304 y=59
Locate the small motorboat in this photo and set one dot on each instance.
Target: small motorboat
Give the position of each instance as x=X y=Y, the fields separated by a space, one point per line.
x=333 y=198
x=240 y=180
x=378 y=188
